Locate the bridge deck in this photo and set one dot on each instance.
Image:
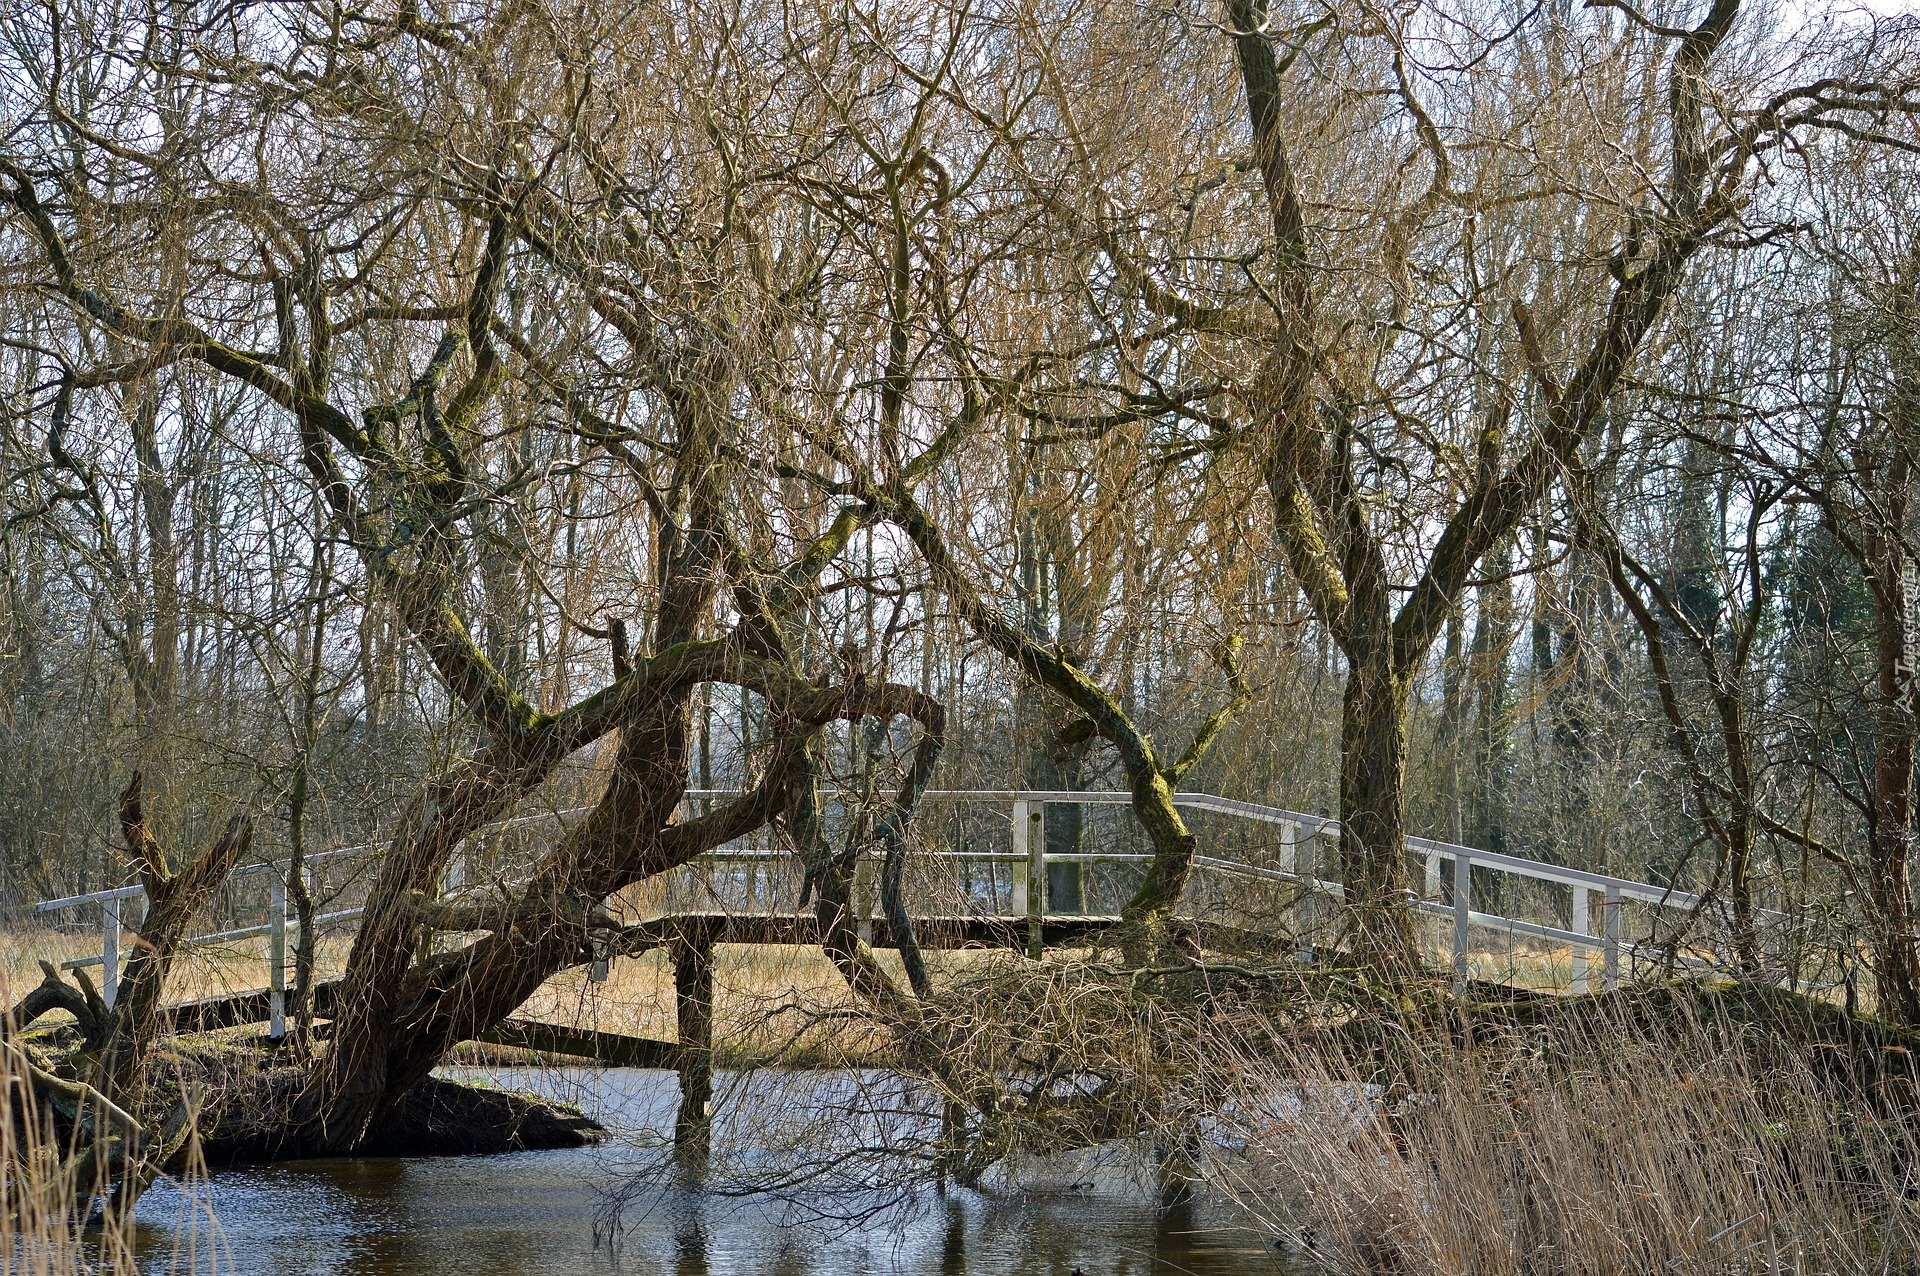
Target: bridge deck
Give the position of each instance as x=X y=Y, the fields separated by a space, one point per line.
x=972 y=930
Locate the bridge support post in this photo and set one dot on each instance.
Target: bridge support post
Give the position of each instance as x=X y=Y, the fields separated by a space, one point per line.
x=109 y=951
x=1462 y=916
x=1583 y=923
x=277 y=960
x=1610 y=950
x=693 y=1003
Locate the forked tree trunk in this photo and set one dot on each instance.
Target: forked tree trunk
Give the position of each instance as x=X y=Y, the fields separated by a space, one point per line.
x=355 y=1082
x=173 y=899
x=1325 y=524
x=458 y=999
x=400 y=1017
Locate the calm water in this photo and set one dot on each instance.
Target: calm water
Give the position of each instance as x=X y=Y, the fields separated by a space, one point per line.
x=548 y=1212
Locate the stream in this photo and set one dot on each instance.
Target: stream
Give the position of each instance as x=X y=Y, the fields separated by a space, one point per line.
x=555 y=1212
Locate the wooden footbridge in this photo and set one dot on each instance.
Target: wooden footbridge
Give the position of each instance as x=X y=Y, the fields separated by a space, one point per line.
x=1269 y=883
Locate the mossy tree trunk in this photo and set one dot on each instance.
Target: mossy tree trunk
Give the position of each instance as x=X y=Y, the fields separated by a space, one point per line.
x=1894 y=584
x=174 y=898
x=1373 y=810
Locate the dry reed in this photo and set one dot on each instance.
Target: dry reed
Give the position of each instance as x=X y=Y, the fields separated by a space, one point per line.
x=52 y=1224
x=1608 y=1150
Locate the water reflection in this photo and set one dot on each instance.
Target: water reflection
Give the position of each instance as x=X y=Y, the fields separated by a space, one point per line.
x=536 y=1213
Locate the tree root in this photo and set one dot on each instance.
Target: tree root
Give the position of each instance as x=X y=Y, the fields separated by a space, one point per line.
x=54 y=993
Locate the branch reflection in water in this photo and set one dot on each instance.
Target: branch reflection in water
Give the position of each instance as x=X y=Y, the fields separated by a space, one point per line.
x=547 y=1213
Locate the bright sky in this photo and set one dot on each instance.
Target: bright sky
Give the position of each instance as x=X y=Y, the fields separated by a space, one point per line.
x=1886 y=8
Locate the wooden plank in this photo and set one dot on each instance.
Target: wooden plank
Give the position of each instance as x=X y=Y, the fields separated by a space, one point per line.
x=231 y=1010
x=609 y=1048
x=970 y=930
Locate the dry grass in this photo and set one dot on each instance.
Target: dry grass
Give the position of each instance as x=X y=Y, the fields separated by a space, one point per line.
x=771 y=1001
x=1607 y=1152
x=40 y=1215
x=752 y=985
x=209 y=970
x=765 y=994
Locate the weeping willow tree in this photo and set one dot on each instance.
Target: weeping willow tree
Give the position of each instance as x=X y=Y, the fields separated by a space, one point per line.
x=1406 y=277
x=593 y=380
x=571 y=370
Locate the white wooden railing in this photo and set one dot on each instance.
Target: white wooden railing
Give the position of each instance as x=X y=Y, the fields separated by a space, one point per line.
x=1029 y=860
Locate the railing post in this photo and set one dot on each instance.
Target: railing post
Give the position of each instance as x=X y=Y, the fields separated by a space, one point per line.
x=1292 y=833
x=1306 y=905
x=1037 y=860
x=109 y=950
x=1610 y=951
x=1036 y=876
x=1022 y=867
x=863 y=897
x=1433 y=873
x=1462 y=916
x=277 y=959
x=1583 y=923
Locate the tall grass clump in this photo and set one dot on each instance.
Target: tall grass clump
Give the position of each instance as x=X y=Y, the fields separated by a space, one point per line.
x=1607 y=1143
x=66 y=1184
x=48 y=1225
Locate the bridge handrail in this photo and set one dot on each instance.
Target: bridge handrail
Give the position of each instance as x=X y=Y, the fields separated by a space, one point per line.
x=1326 y=824
x=1312 y=825
x=74 y=901
x=1029 y=899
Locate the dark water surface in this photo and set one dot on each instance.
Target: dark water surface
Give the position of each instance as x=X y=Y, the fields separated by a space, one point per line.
x=547 y=1212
